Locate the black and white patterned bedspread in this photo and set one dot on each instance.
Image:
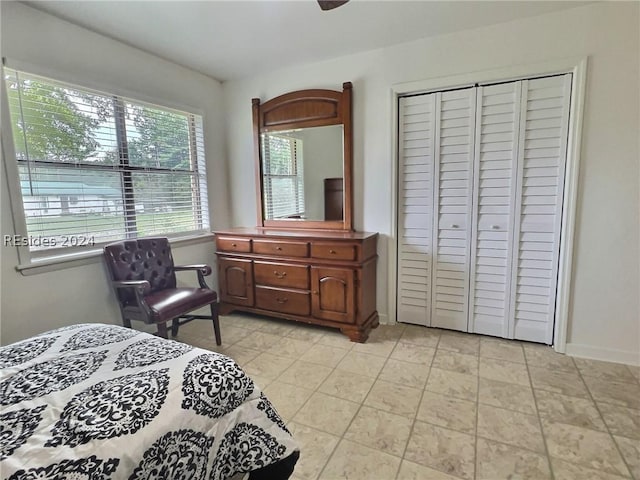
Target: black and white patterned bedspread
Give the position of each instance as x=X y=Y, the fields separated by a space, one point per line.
x=101 y=402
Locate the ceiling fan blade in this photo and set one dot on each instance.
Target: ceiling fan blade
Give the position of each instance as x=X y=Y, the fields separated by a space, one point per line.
x=331 y=4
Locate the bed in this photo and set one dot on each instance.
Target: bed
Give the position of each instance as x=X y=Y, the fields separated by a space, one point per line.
x=96 y=401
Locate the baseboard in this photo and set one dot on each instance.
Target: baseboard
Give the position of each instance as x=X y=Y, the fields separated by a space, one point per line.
x=383 y=318
x=604 y=354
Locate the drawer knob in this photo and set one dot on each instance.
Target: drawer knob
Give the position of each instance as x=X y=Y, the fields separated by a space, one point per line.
x=234 y=245
x=315 y=292
x=282 y=300
x=279 y=275
x=279 y=249
x=331 y=250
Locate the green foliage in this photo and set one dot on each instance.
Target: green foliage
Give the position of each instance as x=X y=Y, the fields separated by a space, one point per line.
x=47 y=123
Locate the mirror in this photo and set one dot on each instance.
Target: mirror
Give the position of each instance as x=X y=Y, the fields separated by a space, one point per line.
x=303 y=152
x=302 y=174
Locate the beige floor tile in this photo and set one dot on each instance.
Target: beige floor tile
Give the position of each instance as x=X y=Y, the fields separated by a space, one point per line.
x=356 y=462
x=496 y=460
x=230 y=335
x=513 y=428
x=329 y=414
x=380 y=347
x=441 y=449
x=615 y=372
x=459 y=385
x=380 y=430
x=261 y=382
x=394 y=398
x=507 y=395
x=324 y=355
x=287 y=399
x=504 y=371
x=276 y=327
x=405 y=373
x=335 y=338
x=307 y=333
x=267 y=365
x=408 y=352
x=630 y=449
x=315 y=449
x=617 y=393
x=305 y=374
x=580 y=412
x=241 y=355
x=543 y=356
x=241 y=320
x=567 y=383
x=347 y=385
x=592 y=449
x=361 y=363
x=289 y=347
x=635 y=371
x=423 y=336
x=621 y=420
x=507 y=350
x=456 y=362
x=259 y=341
x=459 y=342
x=413 y=471
x=387 y=332
x=448 y=412
x=570 y=471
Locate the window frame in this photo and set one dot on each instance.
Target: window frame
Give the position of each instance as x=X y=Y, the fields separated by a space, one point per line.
x=32 y=262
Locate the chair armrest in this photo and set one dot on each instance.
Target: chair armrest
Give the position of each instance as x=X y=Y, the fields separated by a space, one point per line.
x=202 y=271
x=140 y=289
x=205 y=269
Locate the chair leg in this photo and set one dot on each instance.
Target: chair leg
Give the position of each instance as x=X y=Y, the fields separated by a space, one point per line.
x=162 y=330
x=126 y=322
x=216 y=323
x=174 y=327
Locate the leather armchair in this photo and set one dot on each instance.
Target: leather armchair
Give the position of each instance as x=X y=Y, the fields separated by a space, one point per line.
x=143 y=275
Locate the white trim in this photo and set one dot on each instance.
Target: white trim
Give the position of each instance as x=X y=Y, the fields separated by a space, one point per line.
x=604 y=354
x=392 y=247
x=383 y=319
x=578 y=67
x=94 y=255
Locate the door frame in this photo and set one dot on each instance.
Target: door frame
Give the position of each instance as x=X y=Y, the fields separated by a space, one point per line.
x=574 y=65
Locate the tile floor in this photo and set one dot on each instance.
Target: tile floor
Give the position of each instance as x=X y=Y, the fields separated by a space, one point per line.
x=418 y=403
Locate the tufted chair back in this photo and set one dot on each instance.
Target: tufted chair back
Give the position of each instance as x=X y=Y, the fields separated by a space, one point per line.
x=141 y=259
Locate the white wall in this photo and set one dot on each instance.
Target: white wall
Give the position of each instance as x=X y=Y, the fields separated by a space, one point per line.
x=604 y=316
x=32 y=304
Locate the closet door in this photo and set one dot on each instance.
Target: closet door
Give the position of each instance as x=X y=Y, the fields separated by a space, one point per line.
x=415 y=208
x=544 y=115
x=453 y=182
x=495 y=169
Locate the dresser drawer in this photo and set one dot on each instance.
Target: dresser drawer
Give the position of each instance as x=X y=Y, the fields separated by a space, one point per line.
x=285 y=249
x=281 y=275
x=332 y=251
x=230 y=244
x=284 y=301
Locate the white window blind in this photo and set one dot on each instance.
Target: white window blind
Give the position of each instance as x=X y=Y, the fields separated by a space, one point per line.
x=283 y=177
x=96 y=168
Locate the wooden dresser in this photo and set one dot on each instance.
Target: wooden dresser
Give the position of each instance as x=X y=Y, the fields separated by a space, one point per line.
x=322 y=278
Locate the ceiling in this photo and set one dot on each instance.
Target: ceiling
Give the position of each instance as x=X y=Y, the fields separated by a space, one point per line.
x=234 y=39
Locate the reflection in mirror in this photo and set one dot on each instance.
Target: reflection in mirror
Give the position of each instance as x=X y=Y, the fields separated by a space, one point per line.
x=302 y=176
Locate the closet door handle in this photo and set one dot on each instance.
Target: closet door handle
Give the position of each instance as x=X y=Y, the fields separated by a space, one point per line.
x=455 y=225
x=495 y=227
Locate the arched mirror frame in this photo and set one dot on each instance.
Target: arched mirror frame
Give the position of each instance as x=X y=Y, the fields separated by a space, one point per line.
x=302 y=109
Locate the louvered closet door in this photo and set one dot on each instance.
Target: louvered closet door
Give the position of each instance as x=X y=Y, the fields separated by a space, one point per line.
x=495 y=169
x=415 y=208
x=453 y=181
x=541 y=164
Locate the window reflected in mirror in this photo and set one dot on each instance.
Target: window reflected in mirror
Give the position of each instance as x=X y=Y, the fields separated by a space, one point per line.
x=302 y=173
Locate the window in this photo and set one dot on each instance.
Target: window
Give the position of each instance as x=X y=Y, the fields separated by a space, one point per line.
x=103 y=167
x=283 y=177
